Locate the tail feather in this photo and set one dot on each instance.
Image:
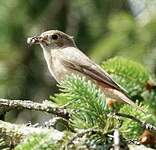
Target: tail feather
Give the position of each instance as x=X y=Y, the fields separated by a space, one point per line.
x=134 y=105
x=130 y=102
x=115 y=94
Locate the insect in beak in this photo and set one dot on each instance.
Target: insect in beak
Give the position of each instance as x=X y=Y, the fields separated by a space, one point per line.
x=37 y=40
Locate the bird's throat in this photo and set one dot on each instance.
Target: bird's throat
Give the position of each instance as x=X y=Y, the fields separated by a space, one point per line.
x=48 y=57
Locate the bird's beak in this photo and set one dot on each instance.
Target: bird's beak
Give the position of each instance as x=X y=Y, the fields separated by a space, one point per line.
x=37 y=40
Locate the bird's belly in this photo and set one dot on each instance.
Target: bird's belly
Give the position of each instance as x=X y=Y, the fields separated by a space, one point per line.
x=61 y=73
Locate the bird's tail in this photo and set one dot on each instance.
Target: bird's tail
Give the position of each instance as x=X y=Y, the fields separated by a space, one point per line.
x=121 y=97
x=127 y=100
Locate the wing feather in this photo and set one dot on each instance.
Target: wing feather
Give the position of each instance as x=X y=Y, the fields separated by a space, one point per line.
x=95 y=72
x=81 y=63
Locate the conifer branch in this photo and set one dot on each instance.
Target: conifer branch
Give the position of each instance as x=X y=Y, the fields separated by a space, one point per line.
x=45 y=106
x=13 y=134
x=79 y=134
x=142 y=123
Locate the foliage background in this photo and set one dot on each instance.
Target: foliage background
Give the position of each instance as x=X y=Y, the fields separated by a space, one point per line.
x=102 y=29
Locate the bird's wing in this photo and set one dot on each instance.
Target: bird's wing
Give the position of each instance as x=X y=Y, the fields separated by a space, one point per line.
x=84 y=65
x=91 y=69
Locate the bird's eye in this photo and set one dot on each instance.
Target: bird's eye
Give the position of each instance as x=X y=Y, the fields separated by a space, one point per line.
x=54 y=36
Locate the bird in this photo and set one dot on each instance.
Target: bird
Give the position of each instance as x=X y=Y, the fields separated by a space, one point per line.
x=63 y=58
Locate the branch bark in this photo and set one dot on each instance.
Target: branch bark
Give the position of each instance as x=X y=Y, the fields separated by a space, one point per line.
x=13 y=134
x=116 y=139
x=45 y=106
x=142 y=123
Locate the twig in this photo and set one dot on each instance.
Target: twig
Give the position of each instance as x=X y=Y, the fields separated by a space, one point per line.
x=45 y=106
x=116 y=139
x=79 y=134
x=143 y=124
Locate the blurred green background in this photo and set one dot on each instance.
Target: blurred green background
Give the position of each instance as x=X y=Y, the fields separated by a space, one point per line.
x=102 y=29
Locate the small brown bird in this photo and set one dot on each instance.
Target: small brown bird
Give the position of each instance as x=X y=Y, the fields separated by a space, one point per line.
x=64 y=58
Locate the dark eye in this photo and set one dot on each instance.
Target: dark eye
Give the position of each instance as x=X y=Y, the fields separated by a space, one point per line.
x=54 y=36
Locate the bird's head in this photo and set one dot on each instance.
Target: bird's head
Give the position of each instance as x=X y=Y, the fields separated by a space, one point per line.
x=52 y=39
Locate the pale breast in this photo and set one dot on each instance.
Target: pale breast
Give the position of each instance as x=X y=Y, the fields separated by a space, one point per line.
x=58 y=69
